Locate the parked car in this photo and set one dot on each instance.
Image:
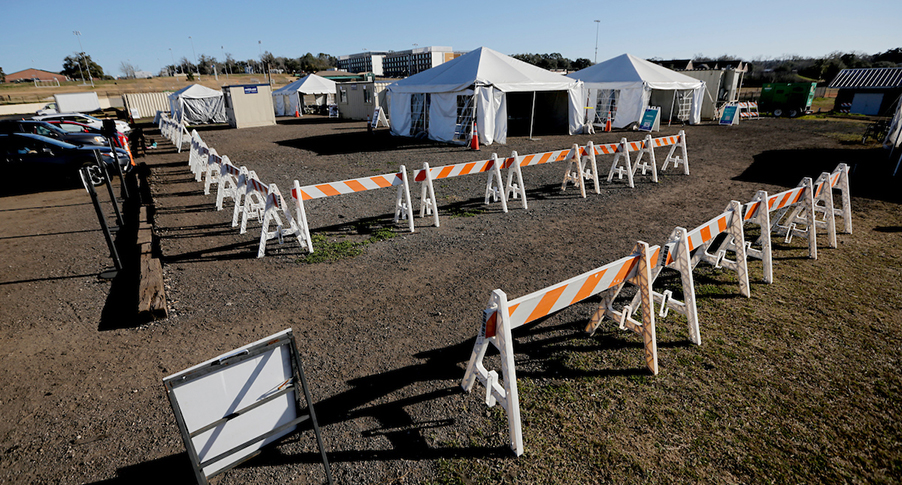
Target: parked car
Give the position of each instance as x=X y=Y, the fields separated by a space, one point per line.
x=52 y=131
x=120 y=140
x=83 y=118
x=26 y=155
x=48 y=109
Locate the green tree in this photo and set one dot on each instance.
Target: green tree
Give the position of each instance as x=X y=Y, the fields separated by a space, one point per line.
x=71 y=67
x=2 y=76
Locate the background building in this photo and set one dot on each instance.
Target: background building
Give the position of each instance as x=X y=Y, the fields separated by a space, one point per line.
x=32 y=74
x=362 y=62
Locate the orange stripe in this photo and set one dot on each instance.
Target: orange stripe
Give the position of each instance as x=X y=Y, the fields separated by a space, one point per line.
x=561 y=156
x=624 y=271
x=785 y=199
x=706 y=234
x=721 y=224
x=544 y=158
x=468 y=168
x=508 y=162
x=445 y=171
x=490 y=325
x=305 y=196
x=511 y=309
x=526 y=160
x=669 y=258
x=752 y=210
x=327 y=189
x=381 y=182
x=770 y=202
x=545 y=304
x=798 y=196
x=355 y=186
x=585 y=290
x=817 y=193
x=654 y=257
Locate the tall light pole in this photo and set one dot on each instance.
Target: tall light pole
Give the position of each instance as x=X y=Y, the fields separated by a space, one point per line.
x=196 y=67
x=597 y=25
x=174 y=65
x=87 y=68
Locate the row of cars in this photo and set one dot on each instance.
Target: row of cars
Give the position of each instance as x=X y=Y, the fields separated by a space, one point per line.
x=53 y=147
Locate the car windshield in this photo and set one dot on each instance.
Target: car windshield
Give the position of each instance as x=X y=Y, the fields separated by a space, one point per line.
x=48 y=141
x=46 y=129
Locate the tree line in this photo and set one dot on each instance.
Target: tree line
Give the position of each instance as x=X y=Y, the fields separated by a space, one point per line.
x=786 y=69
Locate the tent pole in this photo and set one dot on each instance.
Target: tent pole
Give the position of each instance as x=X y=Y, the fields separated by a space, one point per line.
x=672 y=102
x=532 y=113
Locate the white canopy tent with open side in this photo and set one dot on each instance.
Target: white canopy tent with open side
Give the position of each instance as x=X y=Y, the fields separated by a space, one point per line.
x=507 y=96
x=627 y=85
x=197 y=104
x=287 y=100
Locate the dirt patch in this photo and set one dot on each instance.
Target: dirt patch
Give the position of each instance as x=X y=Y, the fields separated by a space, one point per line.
x=799 y=381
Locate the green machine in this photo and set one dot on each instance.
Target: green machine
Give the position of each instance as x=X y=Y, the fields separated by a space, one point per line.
x=787 y=99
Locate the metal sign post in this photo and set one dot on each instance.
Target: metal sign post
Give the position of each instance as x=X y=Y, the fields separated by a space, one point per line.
x=109 y=185
x=109 y=131
x=107 y=274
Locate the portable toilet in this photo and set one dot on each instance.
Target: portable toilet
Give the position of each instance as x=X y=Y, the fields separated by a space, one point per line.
x=249 y=105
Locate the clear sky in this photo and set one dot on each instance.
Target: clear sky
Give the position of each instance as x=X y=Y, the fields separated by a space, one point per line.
x=39 y=34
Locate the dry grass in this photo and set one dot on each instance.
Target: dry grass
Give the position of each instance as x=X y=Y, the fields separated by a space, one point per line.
x=797 y=384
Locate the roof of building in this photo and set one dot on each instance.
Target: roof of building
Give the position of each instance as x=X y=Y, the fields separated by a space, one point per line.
x=878 y=77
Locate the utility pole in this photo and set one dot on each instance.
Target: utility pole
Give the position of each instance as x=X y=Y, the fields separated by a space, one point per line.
x=597 y=25
x=87 y=68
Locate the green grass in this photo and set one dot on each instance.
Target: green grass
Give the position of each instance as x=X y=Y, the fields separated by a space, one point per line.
x=330 y=251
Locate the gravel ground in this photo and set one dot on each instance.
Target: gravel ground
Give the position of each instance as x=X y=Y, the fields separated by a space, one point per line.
x=384 y=336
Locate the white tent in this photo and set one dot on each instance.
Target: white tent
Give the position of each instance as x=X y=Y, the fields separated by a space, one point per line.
x=630 y=84
x=508 y=96
x=197 y=104
x=288 y=99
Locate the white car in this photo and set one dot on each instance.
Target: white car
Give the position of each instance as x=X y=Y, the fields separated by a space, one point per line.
x=91 y=121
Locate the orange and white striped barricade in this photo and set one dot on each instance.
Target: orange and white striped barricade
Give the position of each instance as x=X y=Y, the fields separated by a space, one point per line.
x=275 y=204
x=753 y=111
x=577 y=172
x=255 y=195
x=398 y=179
x=212 y=171
x=494 y=190
x=796 y=218
x=228 y=183
x=674 y=142
x=515 y=189
x=623 y=153
x=502 y=316
x=197 y=155
x=702 y=239
x=646 y=146
x=246 y=199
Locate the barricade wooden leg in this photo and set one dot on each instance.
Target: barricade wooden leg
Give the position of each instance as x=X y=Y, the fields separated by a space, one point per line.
x=495 y=329
x=494 y=186
x=574 y=171
x=301 y=217
x=824 y=195
x=761 y=218
x=518 y=189
x=428 y=202
x=643 y=281
x=590 y=150
x=846 y=198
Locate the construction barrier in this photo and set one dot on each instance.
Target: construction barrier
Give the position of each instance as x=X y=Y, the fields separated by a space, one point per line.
x=502 y=316
x=748 y=110
x=683 y=251
x=274 y=213
x=398 y=179
x=174 y=131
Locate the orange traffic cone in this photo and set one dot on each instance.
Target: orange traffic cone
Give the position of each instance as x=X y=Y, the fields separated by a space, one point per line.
x=297 y=113
x=474 y=139
x=607 y=124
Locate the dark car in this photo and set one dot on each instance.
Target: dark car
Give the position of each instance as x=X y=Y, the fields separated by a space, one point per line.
x=44 y=128
x=25 y=156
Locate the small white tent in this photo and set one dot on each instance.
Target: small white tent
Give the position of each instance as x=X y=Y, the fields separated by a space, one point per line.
x=508 y=96
x=288 y=99
x=197 y=104
x=626 y=85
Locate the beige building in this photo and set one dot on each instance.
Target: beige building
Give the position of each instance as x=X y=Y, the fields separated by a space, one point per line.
x=249 y=105
x=357 y=100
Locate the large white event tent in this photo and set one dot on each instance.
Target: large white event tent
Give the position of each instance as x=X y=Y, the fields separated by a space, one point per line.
x=633 y=84
x=197 y=104
x=510 y=97
x=288 y=99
